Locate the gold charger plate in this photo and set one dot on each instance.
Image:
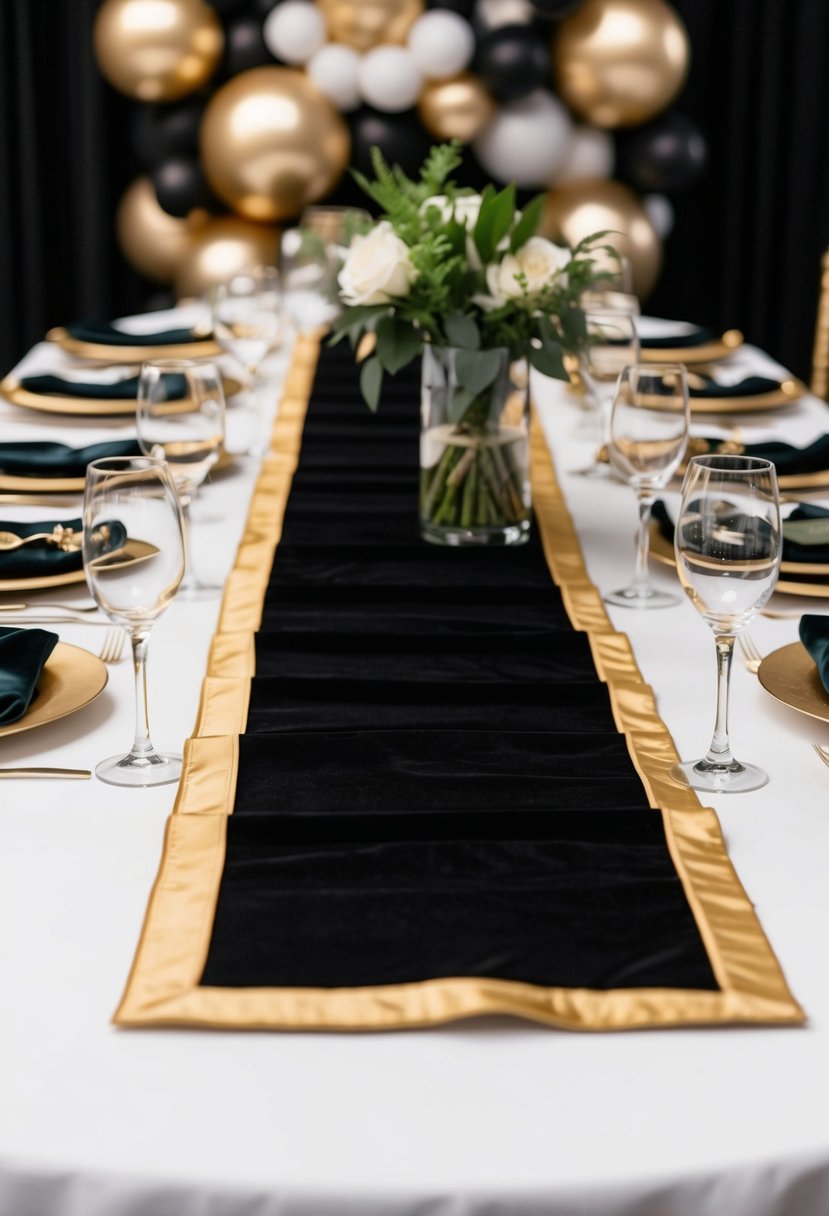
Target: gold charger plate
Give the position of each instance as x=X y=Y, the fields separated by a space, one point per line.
x=71 y=679
x=51 y=403
x=100 y=352
x=73 y=485
x=708 y=352
x=663 y=551
x=790 y=674
x=789 y=393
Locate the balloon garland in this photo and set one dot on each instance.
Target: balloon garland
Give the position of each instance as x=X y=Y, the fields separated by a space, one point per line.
x=258 y=107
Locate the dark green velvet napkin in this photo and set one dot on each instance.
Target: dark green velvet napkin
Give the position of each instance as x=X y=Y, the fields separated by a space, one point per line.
x=23 y=653
x=793 y=551
x=42 y=459
x=787 y=459
x=697 y=337
x=40 y=559
x=107 y=335
x=814 y=634
x=752 y=386
x=120 y=390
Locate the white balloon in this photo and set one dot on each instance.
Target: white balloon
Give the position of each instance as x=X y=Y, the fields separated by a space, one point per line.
x=660 y=212
x=492 y=14
x=591 y=155
x=390 y=79
x=527 y=141
x=442 y=43
x=294 y=31
x=335 y=70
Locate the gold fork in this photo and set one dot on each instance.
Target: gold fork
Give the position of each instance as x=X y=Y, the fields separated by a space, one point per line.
x=112 y=646
x=822 y=752
x=751 y=655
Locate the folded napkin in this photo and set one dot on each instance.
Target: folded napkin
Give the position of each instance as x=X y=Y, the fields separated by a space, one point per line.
x=752 y=386
x=794 y=550
x=23 y=653
x=814 y=634
x=697 y=337
x=39 y=559
x=104 y=334
x=41 y=459
x=118 y=390
x=787 y=459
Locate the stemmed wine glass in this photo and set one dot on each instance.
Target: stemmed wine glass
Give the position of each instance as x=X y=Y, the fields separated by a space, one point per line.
x=728 y=543
x=613 y=345
x=180 y=418
x=648 y=438
x=133 y=587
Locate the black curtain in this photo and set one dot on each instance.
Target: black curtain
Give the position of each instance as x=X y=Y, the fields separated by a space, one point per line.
x=744 y=252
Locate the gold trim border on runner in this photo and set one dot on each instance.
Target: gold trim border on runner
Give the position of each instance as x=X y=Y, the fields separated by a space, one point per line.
x=163 y=987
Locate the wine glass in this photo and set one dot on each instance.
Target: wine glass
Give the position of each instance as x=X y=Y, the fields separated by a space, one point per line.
x=728 y=543
x=180 y=418
x=248 y=318
x=648 y=438
x=134 y=497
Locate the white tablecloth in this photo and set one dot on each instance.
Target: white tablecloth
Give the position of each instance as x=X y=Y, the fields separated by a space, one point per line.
x=486 y=1117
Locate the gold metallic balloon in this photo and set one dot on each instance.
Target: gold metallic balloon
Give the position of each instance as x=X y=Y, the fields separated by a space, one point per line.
x=219 y=249
x=157 y=50
x=366 y=23
x=456 y=109
x=588 y=206
x=272 y=143
x=151 y=240
x=619 y=62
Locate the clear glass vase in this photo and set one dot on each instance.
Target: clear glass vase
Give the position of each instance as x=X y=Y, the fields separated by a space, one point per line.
x=474 y=448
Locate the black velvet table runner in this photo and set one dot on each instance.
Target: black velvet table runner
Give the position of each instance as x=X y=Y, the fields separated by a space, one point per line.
x=431 y=786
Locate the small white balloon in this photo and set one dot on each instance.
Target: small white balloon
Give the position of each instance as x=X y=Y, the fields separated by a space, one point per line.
x=492 y=14
x=335 y=70
x=442 y=43
x=390 y=79
x=294 y=31
x=660 y=212
x=527 y=141
x=591 y=155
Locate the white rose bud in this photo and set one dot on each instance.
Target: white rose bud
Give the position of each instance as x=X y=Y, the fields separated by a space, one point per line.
x=466 y=208
x=377 y=268
x=539 y=262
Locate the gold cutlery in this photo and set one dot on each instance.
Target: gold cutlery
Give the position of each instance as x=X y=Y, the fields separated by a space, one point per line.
x=44 y=604
x=62 y=538
x=751 y=655
x=822 y=752
x=112 y=646
x=71 y=774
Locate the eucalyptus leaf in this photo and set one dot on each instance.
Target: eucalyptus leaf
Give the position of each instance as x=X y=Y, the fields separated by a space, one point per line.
x=371 y=382
x=397 y=344
x=494 y=219
x=548 y=360
x=476 y=370
x=462 y=331
x=459 y=403
x=527 y=225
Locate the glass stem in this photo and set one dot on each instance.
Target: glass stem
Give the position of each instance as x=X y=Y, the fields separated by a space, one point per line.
x=719 y=753
x=189 y=581
x=641 y=579
x=142 y=744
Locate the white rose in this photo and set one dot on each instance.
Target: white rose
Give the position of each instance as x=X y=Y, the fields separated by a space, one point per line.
x=539 y=262
x=377 y=268
x=466 y=208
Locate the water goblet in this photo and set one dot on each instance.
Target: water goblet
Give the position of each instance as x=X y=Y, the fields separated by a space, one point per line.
x=728 y=543
x=180 y=418
x=135 y=585
x=648 y=438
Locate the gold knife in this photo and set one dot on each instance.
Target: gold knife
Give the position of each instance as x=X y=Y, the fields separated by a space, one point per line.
x=72 y=774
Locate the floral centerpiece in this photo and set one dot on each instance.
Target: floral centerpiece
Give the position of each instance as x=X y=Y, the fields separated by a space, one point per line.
x=463 y=279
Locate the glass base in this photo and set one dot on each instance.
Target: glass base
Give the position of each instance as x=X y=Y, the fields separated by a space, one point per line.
x=454 y=535
x=638 y=597
x=155 y=769
x=734 y=778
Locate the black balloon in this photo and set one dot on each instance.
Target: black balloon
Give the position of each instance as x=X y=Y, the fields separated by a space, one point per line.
x=463 y=7
x=227 y=6
x=400 y=137
x=162 y=131
x=244 y=46
x=180 y=186
x=263 y=7
x=552 y=9
x=668 y=154
x=513 y=60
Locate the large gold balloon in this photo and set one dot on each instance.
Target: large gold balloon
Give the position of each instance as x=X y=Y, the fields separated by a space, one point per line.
x=220 y=248
x=366 y=23
x=456 y=109
x=619 y=62
x=157 y=50
x=272 y=143
x=153 y=241
x=588 y=206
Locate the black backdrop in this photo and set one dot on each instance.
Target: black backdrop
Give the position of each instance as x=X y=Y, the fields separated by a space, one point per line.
x=744 y=251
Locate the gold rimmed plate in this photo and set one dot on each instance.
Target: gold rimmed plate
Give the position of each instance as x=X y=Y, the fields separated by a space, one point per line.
x=790 y=674
x=813 y=580
x=52 y=403
x=707 y=352
x=100 y=352
x=788 y=394
x=70 y=680
x=18 y=484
